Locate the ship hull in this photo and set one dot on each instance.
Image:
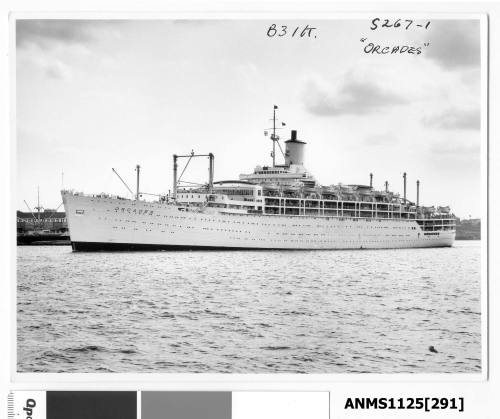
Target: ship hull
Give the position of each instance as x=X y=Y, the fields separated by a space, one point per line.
x=111 y=224
x=45 y=239
x=130 y=247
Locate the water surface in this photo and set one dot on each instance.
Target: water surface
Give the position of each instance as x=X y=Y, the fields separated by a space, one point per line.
x=372 y=311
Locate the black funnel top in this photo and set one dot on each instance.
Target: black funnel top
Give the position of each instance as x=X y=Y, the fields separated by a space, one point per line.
x=293 y=137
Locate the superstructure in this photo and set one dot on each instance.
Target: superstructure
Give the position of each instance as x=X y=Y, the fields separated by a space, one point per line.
x=279 y=206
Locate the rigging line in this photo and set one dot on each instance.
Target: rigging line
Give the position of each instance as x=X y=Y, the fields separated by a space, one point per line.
x=193 y=183
x=119 y=177
x=53 y=212
x=279 y=145
x=151 y=194
x=185 y=167
x=33 y=215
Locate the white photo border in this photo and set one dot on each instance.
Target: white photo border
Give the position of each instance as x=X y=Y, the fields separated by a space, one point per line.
x=211 y=381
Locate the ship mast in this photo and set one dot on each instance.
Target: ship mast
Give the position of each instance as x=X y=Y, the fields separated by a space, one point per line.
x=137 y=168
x=38 y=207
x=38 y=202
x=177 y=180
x=273 y=136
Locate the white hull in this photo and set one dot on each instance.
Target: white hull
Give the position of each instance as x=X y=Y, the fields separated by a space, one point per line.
x=99 y=223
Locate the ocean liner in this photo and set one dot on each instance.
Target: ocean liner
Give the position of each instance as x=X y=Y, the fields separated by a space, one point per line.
x=279 y=206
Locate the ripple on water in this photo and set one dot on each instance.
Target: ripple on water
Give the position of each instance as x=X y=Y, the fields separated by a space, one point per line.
x=250 y=312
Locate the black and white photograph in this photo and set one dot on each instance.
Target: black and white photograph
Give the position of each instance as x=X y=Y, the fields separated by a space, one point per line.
x=250 y=196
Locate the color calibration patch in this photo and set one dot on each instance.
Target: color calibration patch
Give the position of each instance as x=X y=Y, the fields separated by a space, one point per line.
x=168 y=405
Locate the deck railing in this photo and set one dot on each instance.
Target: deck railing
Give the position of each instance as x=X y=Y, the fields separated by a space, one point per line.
x=356 y=209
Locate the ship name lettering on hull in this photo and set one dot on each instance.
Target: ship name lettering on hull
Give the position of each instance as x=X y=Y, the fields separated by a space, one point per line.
x=134 y=211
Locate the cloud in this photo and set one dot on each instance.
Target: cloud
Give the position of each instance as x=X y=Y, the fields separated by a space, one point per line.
x=453 y=118
x=195 y=22
x=58 y=70
x=453 y=148
x=44 y=33
x=352 y=95
x=376 y=140
x=52 y=45
x=456 y=155
x=455 y=44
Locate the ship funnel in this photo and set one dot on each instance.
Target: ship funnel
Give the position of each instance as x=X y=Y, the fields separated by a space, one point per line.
x=386 y=186
x=371 y=180
x=294 y=153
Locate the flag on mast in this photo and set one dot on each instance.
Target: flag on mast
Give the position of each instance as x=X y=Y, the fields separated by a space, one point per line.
x=275 y=107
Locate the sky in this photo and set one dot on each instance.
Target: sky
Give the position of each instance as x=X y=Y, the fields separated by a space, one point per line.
x=92 y=95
